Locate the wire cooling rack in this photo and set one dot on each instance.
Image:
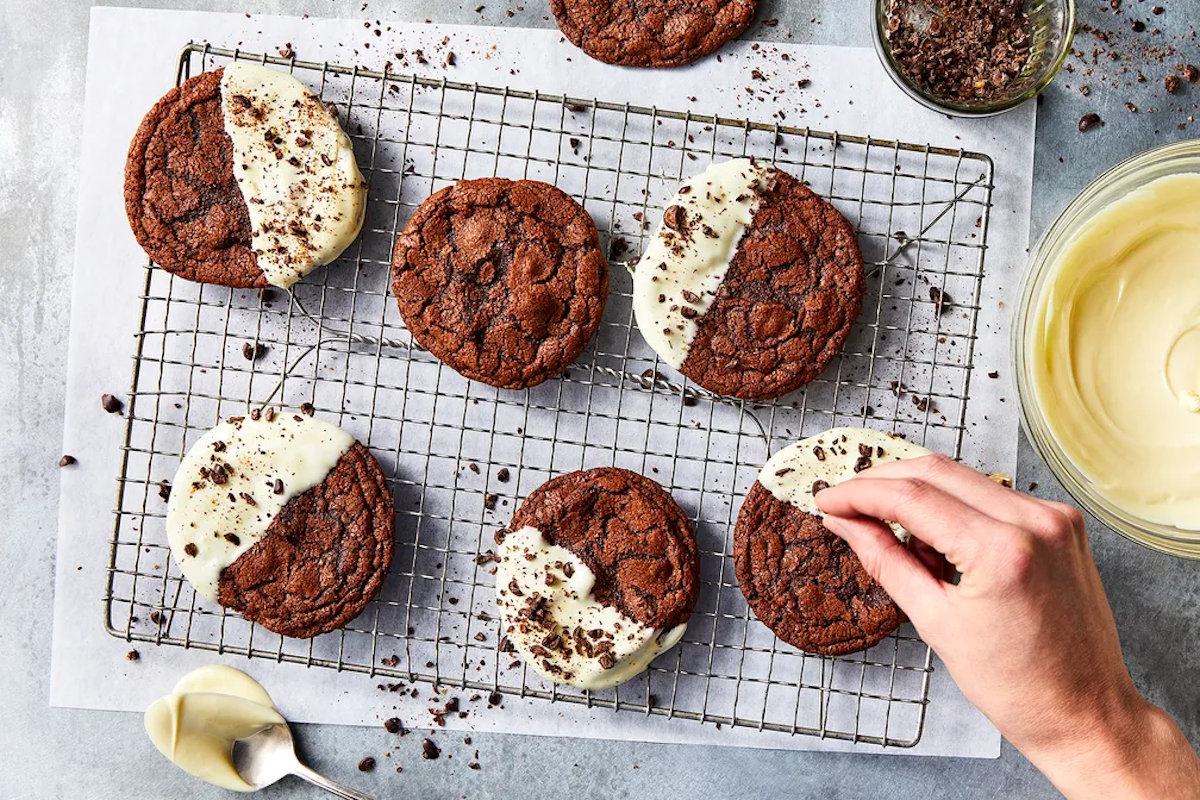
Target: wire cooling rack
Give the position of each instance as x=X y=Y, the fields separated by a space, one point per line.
x=460 y=455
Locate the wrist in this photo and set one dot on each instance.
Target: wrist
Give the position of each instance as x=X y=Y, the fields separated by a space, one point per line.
x=1132 y=749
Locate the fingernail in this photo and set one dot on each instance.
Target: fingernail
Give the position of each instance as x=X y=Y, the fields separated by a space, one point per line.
x=835 y=525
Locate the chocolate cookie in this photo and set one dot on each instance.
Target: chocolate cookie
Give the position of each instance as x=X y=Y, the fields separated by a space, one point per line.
x=598 y=573
x=801 y=581
x=502 y=280
x=628 y=531
x=752 y=284
x=283 y=518
x=323 y=558
x=243 y=177
x=651 y=33
x=804 y=583
x=181 y=197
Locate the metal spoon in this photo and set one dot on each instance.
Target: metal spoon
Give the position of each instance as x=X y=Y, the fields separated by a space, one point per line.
x=270 y=754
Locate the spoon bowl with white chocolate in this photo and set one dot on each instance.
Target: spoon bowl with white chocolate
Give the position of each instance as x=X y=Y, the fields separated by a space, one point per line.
x=219 y=725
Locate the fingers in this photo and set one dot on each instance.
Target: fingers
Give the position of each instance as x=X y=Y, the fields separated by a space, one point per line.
x=914 y=588
x=932 y=515
x=972 y=487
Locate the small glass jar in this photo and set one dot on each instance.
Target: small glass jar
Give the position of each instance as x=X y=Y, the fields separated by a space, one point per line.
x=1053 y=23
x=1160 y=162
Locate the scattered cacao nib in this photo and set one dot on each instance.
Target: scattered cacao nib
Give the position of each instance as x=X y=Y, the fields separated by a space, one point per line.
x=111 y=404
x=190 y=549
x=489 y=501
x=674 y=218
x=286 y=51
x=770 y=23
x=819 y=486
x=253 y=352
x=157 y=617
x=495 y=698
x=1191 y=73
x=941 y=300
x=1138 y=26
x=164 y=491
x=1089 y=120
x=993 y=375
x=1033 y=486
x=863 y=462
x=502 y=475
x=66 y=461
x=307 y=409
x=366 y=765
x=617 y=247
x=779 y=473
x=393 y=725
x=961 y=50
x=277 y=488
x=1171 y=82
x=430 y=750
x=233 y=539
x=133 y=655
x=473 y=765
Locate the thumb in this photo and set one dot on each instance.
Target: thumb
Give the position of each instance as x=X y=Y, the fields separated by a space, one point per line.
x=885 y=558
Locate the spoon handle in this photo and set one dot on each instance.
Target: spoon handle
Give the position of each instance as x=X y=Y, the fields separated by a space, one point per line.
x=333 y=787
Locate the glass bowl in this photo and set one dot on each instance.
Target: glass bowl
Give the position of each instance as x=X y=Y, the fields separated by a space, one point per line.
x=1053 y=24
x=1171 y=159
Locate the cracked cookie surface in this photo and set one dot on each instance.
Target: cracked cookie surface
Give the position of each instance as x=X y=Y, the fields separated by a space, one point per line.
x=651 y=33
x=630 y=532
x=804 y=583
x=181 y=197
x=787 y=302
x=502 y=280
x=323 y=558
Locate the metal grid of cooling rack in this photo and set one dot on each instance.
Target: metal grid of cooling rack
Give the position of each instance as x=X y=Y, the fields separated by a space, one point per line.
x=448 y=444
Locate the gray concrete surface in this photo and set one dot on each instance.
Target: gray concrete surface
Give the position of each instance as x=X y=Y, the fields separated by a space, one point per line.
x=47 y=752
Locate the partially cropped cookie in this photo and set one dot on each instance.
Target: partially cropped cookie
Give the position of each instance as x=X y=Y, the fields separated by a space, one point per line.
x=651 y=33
x=285 y=519
x=598 y=573
x=801 y=581
x=751 y=284
x=502 y=280
x=242 y=177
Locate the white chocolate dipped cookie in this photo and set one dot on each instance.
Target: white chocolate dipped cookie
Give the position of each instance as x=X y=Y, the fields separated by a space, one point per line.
x=598 y=575
x=243 y=177
x=284 y=518
x=752 y=282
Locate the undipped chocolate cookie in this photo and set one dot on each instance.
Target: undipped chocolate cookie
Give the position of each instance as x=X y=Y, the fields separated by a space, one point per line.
x=751 y=284
x=801 y=581
x=285 y=519
x=598 y=574
x=242 y=177
x=651 y=33
x=502 y=280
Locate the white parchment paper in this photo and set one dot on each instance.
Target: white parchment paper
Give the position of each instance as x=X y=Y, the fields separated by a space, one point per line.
x=131 y=62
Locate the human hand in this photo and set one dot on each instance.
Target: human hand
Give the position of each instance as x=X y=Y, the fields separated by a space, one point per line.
x=1026 y=632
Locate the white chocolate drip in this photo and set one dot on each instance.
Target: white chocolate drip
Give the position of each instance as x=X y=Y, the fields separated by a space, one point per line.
x=590 y=645
x=830 y=458
x=196 y=725
x=233 y=482
x=295 y=168
x=678 y=275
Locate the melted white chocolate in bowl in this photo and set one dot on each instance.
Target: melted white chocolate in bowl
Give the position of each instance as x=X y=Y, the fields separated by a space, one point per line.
x=1114 y=351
